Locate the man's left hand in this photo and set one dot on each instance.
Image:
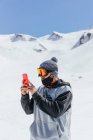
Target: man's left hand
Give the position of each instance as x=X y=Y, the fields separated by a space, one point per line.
x=32 y=88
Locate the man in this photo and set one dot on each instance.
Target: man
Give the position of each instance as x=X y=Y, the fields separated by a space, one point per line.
x=50 y=103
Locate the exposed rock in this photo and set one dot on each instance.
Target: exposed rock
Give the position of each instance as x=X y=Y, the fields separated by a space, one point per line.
x=39 y=48
x=32 y=39
x=83 y=39
x=80 y=77
x=55 y=36
x=18 y=37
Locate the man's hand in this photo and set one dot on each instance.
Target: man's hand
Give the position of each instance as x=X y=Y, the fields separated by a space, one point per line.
x=25 y=89
x=32 y=88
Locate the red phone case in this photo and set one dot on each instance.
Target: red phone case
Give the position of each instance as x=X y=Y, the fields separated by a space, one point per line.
x=25 y=79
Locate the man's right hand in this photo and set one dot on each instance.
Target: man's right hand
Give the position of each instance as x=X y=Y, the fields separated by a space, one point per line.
x=24 y=90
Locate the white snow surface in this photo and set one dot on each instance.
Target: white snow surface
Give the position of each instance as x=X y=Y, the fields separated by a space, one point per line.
x=75 y=66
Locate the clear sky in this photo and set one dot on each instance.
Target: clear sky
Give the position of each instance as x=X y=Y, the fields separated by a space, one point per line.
x=41 y=17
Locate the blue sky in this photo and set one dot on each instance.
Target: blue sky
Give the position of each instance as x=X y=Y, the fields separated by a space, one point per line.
x=41 y=17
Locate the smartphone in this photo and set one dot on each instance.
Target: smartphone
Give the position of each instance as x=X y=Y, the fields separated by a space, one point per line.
x=25 y=79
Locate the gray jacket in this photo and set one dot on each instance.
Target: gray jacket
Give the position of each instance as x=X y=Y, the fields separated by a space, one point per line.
x=52 y=112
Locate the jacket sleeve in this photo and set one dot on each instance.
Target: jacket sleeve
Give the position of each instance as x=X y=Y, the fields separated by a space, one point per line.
x=27 y=104
x=54 y=108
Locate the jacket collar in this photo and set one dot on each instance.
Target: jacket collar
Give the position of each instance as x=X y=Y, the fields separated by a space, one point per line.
x=59 y=83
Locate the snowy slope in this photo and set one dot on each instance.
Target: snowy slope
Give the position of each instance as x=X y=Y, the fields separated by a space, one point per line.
x=24 y=54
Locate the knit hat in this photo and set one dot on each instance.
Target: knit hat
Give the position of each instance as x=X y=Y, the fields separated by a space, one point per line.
x=50 y=65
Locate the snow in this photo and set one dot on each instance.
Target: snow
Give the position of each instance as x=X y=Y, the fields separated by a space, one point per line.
x=75 y=66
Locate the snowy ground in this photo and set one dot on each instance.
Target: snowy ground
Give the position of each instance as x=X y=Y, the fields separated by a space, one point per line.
x=75 y=66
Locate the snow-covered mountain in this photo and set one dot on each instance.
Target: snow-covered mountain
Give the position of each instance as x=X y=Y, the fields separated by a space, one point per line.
x=21 y=53
x=55 y=36
x=86 y=36
x=21 y=37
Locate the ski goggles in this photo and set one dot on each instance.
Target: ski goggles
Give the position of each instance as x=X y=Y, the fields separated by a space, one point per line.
x=42 y=72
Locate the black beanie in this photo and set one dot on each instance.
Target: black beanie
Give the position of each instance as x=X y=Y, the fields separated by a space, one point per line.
x=50 y=65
